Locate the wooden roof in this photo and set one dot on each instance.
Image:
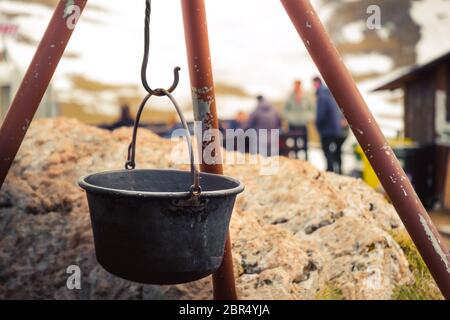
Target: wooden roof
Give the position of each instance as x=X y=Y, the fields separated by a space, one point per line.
x=399 y=78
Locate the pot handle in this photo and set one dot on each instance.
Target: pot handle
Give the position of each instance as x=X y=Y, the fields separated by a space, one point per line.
x=195 y=189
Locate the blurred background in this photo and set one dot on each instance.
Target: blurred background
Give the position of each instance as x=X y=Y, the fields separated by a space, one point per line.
x=402 y=69
x=263 y=80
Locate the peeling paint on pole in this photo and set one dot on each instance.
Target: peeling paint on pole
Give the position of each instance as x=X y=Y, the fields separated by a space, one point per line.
x=202 y=99
x=203 y=103
x=435 y=242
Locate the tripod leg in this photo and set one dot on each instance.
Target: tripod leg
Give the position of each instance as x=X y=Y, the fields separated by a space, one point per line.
x=36 y=81
x=204 y=101
x=375 y=146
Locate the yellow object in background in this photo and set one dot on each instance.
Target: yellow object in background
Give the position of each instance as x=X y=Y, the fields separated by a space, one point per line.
x=368 y=174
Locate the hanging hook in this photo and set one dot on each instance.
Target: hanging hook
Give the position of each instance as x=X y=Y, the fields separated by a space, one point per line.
x=156 y=92
x=195 y=189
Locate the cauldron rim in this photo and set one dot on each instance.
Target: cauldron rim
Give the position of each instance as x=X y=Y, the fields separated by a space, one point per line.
x=91 y=188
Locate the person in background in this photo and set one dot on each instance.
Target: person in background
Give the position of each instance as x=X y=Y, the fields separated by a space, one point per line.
x=332 y=126
x=239 y=121
x=125 y=120
x=266 y=117
x=173 y=124
x=298 y=112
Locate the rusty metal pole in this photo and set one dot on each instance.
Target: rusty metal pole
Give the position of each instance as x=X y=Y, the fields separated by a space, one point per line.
x=370 y=137
x=204 y=102
x=36 y=80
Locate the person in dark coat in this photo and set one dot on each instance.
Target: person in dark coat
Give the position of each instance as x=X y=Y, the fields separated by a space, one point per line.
x=265 y=117
x=331 y=125
x=125 y=120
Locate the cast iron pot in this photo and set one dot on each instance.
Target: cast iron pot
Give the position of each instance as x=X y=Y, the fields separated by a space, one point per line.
x=160 y=226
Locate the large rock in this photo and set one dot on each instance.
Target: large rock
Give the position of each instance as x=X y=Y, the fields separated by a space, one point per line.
x=294 y=233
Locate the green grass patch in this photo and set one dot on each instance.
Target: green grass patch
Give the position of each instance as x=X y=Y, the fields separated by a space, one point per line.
x=424 y=287
x=329 y=292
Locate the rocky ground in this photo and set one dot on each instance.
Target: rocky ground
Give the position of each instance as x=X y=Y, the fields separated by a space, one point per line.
x=295 y=234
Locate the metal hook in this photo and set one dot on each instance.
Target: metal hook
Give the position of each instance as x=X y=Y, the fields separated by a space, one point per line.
x=195 y=189
x=160 y=91
x=156 y=92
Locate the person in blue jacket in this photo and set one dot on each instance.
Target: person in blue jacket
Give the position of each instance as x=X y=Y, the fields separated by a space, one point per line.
x=331 y=125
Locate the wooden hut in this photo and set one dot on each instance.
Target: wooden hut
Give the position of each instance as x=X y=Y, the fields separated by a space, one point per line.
x=426 y=90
